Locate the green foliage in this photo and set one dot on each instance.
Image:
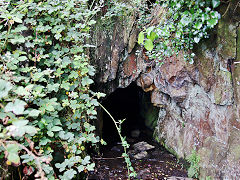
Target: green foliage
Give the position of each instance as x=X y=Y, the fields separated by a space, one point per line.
x=193 y=170
x=113 y=9
x=185 y=24
x=46 y=105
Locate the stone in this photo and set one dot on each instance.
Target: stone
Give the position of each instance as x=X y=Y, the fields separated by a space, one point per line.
x=117 y=148
x=140 y=155
x=159 y=99
x=142 y=146
x=146 y=81
x=142 y=173
x=135 y=133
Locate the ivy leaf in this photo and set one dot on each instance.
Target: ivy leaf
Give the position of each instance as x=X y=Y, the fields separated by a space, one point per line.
x=86 y=160
x=74 y=104
x=13 y=157
x=212 y=22
x=17 y=107
x=91 y=71
x=215 y=3
x=196 y=39
x=22 y=58
x=12 y=148
x=17 y=39
x=198 y=25
x=148 y=45
x=16 y=19
x=44 y=141
x=94 y=102
x=57 y=36
x=53 y=87
x=73 y=74
x=91 y=22
x=149 y=30
x=27 y=158
x=140 y=38
x=99 y=95
x=49 y=107
x=21 y=91
x=69 y=173
x=80 y=168
x=89 y=127
x=90 y=167
x=5 y=87
x=65 y=85
x=20 y=123
x=34 y=113
x=56 y=128
x=30 y=130
x=86 y=81
x=50 y=133
x=152 y=36
x=66 y=61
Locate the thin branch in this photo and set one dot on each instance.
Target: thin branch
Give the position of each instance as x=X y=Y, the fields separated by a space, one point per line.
x=109 y=158
x=40 y=172
x=238 y=4
x=227 y=9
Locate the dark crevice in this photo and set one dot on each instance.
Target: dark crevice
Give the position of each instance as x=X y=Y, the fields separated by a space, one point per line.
x=123 y=103
x=150 y=3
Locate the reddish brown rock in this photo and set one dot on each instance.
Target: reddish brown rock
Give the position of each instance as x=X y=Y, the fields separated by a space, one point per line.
x=130 y=65
x=198 y=104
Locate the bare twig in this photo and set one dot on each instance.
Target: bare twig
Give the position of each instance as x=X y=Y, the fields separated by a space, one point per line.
x=238 y=4
x=109 y=158
x=226 y=9
x=37 y=159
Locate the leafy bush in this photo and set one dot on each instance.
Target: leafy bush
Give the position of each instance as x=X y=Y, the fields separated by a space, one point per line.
x=193 y=170
x=185 y=23
x=46 y=104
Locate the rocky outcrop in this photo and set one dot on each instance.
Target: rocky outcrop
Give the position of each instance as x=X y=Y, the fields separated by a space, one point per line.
x=198 y=104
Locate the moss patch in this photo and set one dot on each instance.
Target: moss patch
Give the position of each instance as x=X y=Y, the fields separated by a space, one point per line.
x=169 y=149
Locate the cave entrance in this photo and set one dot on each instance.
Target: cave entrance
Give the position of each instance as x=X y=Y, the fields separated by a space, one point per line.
x=134 y=105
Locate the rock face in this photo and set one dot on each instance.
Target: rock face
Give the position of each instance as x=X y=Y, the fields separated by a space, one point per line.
x=198 y=104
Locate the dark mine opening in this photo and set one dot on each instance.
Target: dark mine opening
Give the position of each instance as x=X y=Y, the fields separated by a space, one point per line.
x=125 y=103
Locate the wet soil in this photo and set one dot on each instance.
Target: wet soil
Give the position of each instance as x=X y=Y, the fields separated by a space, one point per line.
x=159 y=164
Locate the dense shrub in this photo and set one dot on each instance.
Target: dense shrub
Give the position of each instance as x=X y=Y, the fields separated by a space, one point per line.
x=46 y=103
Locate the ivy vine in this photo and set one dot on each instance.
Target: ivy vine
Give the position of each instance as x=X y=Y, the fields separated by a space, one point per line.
x=186 y=22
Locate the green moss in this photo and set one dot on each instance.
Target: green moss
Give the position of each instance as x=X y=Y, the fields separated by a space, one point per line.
x=236 y=152
x=155 y=136
x=227 y=37
x=218 y=97
x=151 y=116
x=224 y=77
x=169 y=149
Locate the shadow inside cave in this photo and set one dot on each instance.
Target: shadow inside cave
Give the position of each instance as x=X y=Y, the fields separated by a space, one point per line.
x=125 y=103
